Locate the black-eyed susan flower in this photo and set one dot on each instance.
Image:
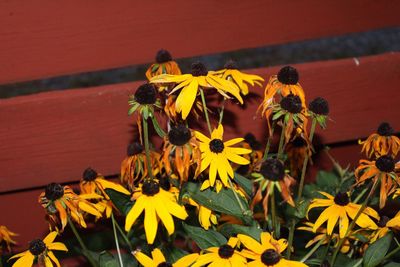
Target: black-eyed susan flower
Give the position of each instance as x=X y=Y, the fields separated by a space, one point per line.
x=182 y=149
x=60 y=202
x=381 y=170
x=381 y=143
x=272 y=176
x=157 y=259
x=157 y=204
x=385 y=225
x=144 y=100
x=297 y=150
x=6 y=238
x=231 y=72
x=319 y=109
x=223 y=256
x=134 y=166
x=40 y=251
x=337 y=212
x=216 y=154
x=164 y=65
x=267 y=252
x=189 y=85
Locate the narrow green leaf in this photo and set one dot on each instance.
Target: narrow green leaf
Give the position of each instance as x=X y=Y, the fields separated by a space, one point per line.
x=377 y=251
x=204 y=238
x=106 y=259
x=157 y=127
x=244 y=183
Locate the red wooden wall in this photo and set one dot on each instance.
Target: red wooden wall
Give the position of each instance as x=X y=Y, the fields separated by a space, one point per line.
x=53 y=136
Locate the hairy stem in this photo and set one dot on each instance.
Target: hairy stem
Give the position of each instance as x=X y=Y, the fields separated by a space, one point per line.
x=268 y=146
x=147 y=147
x=203 y=100
x=281 y=141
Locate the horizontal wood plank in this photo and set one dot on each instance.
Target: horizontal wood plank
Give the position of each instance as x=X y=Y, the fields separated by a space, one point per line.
x=54 y=136
x=65 y=37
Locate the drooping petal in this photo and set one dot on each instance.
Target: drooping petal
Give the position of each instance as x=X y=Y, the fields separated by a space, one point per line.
x=150 y=221
x=135 y=212
x=164 y=215
x=25 y=261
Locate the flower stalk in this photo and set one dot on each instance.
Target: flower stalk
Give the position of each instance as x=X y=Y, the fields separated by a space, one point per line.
x=147 y=147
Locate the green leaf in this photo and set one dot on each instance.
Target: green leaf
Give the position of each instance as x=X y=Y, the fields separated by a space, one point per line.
x=327 y=180
x=224 y=201
x=229 y=230
x=392 y=264
x=377 y=251
x=173 y=253
x=204 y=238
x=244 y=183
x=157 y=127
x=121 y=201
x=106 y=259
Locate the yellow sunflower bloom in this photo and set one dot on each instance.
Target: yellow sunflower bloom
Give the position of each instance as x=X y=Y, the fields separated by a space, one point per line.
x=190 y=84
x=267 y=253
x=241 y=79
x=164 y=65
x=381 y=143
x=216 y=155
x=338 y=211
x=61 y=202
x=42 y=251
x=223 y=256
x=156 y=204
x=158 y=259
x=382 y=170
x=6 y=238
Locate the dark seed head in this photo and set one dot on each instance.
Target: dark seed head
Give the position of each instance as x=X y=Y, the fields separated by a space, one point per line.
x=163 y=56
x=198 y=69
x=89 y=174
x=288 y=75
x=54 y=191
x=319 y=106
x=164 y=183
x=252 y=141
x=150 y=188
x=134 y=149
x=146 y=94
x=232 y=65
x=383 y=221
x=217 y=146
x=37 y=247
x=270 y=257
x=385 y=129
x=291 y=103
x=342 y=199
x=225 y=251
x=272 y=169
x=385 y=163
x=179 y=135
x=164 y=264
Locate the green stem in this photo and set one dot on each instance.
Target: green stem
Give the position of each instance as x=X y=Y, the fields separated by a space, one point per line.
x=273 y=212
x=267 y=147
x=122 y=233
x=358 y=263
x=281 y=141
x=305 y=162
x=394 y=251
x=80 y=241
x=203 y=100
x=147 y=147
x=116 y=240
x=309 y=254
x=290 y=238
x=352 y=224
x=236 y=196
x=360 y=195
x=221 y=113
x=327 y=247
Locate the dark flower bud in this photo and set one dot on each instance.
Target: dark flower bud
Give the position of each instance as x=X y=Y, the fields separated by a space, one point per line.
x=134 y=149
x=385 y=129
x=89 y=174
x=199 y=69
x=288 y=75
x=37 y=247
x=150 y=188
x=291 y=103
x=146 y=94
x=216 y=146
x=163 y=56
x=385 y=163
x=319 y=106
x=272 y=169
x=179 y=135
x=270 y=257
x=54 y=191
x=225 y=251
x=342 y=199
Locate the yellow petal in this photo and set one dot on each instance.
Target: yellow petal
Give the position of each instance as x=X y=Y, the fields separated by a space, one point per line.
x=186 y=98
x=25 y=261
x=186 y=260
x=251 y=244
x=218 y=132
x=164 y=215
x=53 y=258
x=135 y=212
x=57 y=246
x=150 y=221
x=143 y=259
x=233 y=142
x=50 y=238
x=117 y=187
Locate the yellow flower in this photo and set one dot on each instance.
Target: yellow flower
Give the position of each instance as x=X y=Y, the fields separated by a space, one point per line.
x=382 y=170
x=61 y=202
x=190 y=83
x=231 y=73
x=385 y=224
x=158 y=259
x=266 y=253
x=164 y=65
x=381 y=143
x=42 y=250
x=223 y=256
x=216 y=155
x=339 y=209
x=156 y=204
x=6 y=237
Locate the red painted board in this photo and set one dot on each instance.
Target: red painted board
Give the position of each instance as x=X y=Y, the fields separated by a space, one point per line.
x=54 y=136
x=49 y=38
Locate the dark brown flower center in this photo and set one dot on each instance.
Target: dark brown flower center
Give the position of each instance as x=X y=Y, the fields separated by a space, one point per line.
x=199 y=69
x=342 y=199
x=163 y=56
x=385 y=129
x=89 y=174
x=288 y=75
x=272 y=169
x=179 y=135
x=164 y=264
x=385 y=163
x=134 y=149
x=146 y=94
x=252 y=141
x=216 y=145
x=383 y=221
x=291 y=103
x=225 y=251
x=319 y=106
x=270 y=257
x=54 y=191
x=150 y=188
x=37 y=247
x=231 y=64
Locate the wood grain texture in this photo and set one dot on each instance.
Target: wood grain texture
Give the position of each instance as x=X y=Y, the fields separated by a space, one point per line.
x=64 y=37
x=54 y=136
